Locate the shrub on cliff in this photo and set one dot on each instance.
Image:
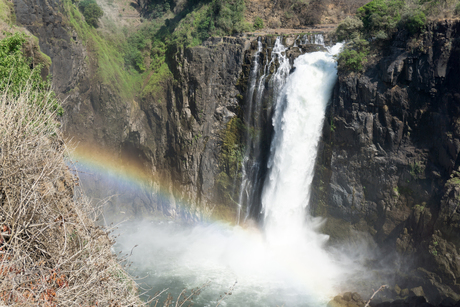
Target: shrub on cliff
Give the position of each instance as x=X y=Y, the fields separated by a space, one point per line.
x=91 y=11
x=457 y=9
x=258 y=23
x=352 y=60
x=349 y=28
x=51 y=252
x=18 y=71
x=414 y=21
x=381 y=15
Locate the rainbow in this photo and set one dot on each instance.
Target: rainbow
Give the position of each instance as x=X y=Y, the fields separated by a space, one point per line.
x=92 y=161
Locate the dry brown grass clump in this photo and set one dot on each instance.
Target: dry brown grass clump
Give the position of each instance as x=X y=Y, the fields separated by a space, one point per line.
x=51 y=252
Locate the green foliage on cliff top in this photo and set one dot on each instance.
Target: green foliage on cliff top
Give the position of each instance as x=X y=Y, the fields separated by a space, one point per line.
x=378 y=20
x=92 y=12
x=381 y=14
x=159 y=38
x=137 y=61
x=412 y=15
x=16 y=74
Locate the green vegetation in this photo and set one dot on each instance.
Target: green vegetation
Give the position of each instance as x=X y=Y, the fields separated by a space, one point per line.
x=16 y=72
x=217 y=18
x=381 y=15
x=378 y=20
x=7 y=12
x=349 y=28
x=332 y=125
x=352 y=60
x=457 y=9
x=106 y=53
x=258 y=23
x=416 y=169
x=157 y=8
x=415 y=21
x=92 y=12
x=231 y=157
x=139 y=61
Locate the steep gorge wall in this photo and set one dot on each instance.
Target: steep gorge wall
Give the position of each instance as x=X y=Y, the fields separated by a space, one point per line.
x=389 y=158
x=173 y=136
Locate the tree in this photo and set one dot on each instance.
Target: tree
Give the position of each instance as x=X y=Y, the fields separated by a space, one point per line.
x=91 y=11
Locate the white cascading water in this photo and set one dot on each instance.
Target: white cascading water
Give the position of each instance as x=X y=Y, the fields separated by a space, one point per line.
x=298 y=122
x=283 y=264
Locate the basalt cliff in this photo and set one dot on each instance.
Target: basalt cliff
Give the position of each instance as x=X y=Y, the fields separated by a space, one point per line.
x=388 y=162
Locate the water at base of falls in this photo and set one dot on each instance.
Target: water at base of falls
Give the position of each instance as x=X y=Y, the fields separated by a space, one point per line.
x=283 y=264
x=177 y=257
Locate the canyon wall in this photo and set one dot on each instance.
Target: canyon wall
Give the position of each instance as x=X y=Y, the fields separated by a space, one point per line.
x=389 y=158
x=173 y=136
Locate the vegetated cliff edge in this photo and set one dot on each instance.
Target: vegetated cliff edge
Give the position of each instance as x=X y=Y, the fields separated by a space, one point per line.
x=389 y=158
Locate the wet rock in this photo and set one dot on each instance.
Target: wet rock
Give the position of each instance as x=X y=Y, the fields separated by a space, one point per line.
x=348 y=299
x=417 y=292
x=447 y=302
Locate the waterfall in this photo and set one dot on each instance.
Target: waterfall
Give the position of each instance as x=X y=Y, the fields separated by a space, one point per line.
x=251 y=182
x=297 y=121
x=285 y=262
x=245 y=188
x=264 y=92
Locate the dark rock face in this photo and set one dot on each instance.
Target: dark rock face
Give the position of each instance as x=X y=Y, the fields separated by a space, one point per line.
x=199 y=104
x=389 y=158
x=90 y=106
x=174 y=136
x=56 y=39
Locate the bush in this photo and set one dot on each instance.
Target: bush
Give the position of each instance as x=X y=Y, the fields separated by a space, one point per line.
x=52 y=253
x=415 y=21
x=91 y=11
x=258 y=23
x=353 y=60
x=349 y=28
x=381 y=15
x=223 y=17
x=457 y=9
x=16 y=73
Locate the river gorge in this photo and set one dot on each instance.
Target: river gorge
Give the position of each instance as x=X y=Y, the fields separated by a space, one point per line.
x=258 y=168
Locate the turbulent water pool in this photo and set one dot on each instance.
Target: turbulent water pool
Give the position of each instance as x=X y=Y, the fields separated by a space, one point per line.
x=174 y=257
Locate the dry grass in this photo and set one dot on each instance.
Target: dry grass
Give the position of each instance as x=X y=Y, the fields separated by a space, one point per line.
x=51 y=252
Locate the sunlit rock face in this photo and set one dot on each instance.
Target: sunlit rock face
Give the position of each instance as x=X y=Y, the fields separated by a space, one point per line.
x=388 y=164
